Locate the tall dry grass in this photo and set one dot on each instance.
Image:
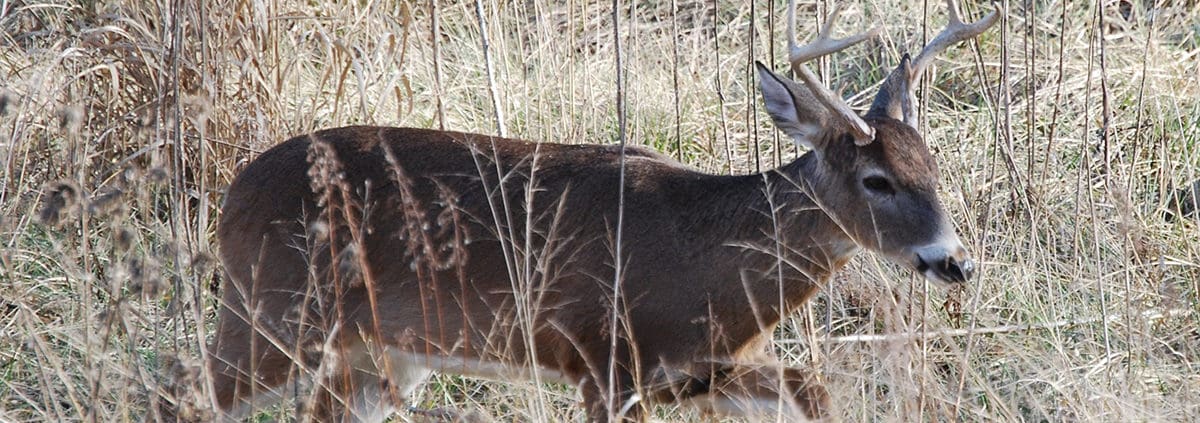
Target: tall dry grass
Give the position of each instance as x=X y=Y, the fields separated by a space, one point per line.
x=1063 y=138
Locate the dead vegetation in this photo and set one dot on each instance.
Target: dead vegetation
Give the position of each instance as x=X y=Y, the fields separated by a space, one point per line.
x=1063 y=139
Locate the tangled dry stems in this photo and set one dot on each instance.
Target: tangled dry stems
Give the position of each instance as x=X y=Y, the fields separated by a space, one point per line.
x=1063 y=141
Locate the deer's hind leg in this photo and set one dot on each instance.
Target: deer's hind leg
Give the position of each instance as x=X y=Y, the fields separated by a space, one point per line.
x=267 y=322
x=248 y=369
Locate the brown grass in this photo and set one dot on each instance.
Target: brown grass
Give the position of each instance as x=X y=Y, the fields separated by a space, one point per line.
x=1063 y=138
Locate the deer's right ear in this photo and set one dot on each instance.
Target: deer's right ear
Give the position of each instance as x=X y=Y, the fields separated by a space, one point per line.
x=791 y=107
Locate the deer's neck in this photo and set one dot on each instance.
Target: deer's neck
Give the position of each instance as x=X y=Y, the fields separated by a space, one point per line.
x=788 y=244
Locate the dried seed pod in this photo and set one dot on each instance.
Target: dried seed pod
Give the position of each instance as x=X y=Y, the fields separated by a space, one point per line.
x=7 y=101
x=106 y=202
x=70 y=119
x=59 y=201
x=201 y=262
x=144 y=278
x=122 y=239
x=1185 y=202
x=157 y=175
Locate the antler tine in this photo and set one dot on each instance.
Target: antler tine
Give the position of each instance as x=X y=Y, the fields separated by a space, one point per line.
x=955 y=31
x=825 y=44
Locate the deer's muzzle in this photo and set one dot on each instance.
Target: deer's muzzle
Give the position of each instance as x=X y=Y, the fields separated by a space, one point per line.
x=942 y=264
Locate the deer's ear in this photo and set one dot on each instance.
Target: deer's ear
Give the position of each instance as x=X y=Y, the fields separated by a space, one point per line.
x=792 y=107
x=897 y=98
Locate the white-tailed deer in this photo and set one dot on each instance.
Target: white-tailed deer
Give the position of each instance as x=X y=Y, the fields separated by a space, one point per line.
x=369 y=257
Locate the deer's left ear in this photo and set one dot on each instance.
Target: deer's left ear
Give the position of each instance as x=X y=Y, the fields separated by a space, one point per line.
x=897 y=97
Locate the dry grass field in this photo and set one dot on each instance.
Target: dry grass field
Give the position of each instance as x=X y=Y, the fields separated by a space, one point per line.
x=1065 y=136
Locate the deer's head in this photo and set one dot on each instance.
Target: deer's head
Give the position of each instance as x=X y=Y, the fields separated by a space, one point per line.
x=874 y=173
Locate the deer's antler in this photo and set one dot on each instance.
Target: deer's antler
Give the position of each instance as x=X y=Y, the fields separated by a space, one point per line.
x=954 y=32
x=825 y=44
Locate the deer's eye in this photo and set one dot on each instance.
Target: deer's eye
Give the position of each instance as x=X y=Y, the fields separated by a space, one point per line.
x=878 y=184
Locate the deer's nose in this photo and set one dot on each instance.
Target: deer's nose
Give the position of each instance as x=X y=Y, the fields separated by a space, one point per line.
x=945 y=265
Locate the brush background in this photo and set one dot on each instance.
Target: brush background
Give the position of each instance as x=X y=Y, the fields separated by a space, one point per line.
x=1063 y=135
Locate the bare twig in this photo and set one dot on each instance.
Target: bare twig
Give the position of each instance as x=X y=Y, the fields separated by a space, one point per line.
x=497 y=109
x=435 y=34
x=913 y=336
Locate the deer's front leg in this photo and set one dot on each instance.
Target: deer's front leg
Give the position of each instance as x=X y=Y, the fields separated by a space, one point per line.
x=763 y=391
x=626 y=407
